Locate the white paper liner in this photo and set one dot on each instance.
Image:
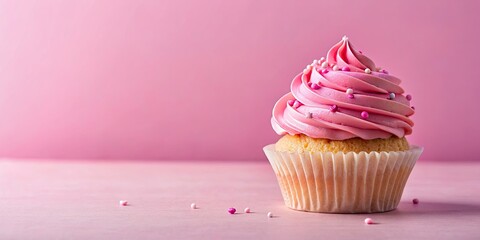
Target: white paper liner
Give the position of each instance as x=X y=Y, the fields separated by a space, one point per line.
x=342 y=182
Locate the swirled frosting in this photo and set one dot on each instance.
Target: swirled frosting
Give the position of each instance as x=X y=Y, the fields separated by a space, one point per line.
x=344 y=96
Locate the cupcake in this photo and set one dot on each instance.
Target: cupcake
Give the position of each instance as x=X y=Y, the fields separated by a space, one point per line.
x=343 y=148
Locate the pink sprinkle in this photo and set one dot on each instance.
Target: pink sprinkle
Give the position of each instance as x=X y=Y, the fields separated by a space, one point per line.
x=232 y=210
x=415 y=201
x=384 y=71
x=360 y=52
x=290 y=102
x=333 y=108
x=296 y=104
x=315 y=86
x=350 y=96
x=123 y=203
x=324 y=71
x=413 y=107
x=309 y=84
x=364 y=115
x=247 y=210
x=409 y=97
x=346 y=69
x=368 y=221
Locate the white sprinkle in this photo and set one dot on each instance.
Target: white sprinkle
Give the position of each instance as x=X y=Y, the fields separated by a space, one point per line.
x=349 y=91
x=193 y=206
x=322 y=59
x=335 y=68
x=269 y=214
x=325 y=64
x=306 y=71
x=368 y=221
x=368 y=71
x=315 y=62
x=123 y=203
x=392 y=96
x=247 y=210
x=345 y=38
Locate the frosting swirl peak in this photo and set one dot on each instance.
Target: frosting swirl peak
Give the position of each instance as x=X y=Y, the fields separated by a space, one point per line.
x=344 y=96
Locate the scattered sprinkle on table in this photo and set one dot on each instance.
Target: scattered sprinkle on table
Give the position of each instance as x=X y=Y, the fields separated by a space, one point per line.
x=415 y=201
x=123 y=203
x=247 y=210
x=193 y=206
x=368 y=221
x=269 y=214
x=232 y=210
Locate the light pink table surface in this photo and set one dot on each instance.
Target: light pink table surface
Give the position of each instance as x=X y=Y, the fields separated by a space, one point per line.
x=79 y=200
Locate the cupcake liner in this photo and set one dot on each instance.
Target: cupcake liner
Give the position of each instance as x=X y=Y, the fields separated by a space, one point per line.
x=342 y=182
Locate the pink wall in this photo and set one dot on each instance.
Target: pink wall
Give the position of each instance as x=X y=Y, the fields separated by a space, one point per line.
x=197 y=79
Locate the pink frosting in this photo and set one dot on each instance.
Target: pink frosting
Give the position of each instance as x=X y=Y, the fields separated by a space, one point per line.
x=388 y=114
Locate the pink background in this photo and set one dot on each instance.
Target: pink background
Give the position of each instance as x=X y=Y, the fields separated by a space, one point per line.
x=198 y=79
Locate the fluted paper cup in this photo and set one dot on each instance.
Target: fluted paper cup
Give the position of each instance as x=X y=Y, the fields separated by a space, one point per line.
x=342 y=182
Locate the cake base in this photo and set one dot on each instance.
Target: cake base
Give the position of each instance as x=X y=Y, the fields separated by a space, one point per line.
x=303 y=143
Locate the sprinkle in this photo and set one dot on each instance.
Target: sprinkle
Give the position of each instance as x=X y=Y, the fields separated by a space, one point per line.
x=368 y=221
x=315 y=86
x=364 y=115
x=413 y=107
x=333 y=108
x=290 y=102
x=322 y=59
x=335 y=68
x=269 y=214
x=368 y=71
x=308 y=115
x=345 y=69
x=415 y=201
x=384 y=71
x=123 y=203
x=325 y=64
x=345 y=38
x=296 y=104
x=351 y=96
x=247 y=210
x=409 y=97
x=325 y=71
x=315 y=62
x=193 y=206
x=391 y=96
x=307 y=69
x=378 y=69
x=309 y=84
x=232 y=210
x=360 y=52
x=349 y=91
